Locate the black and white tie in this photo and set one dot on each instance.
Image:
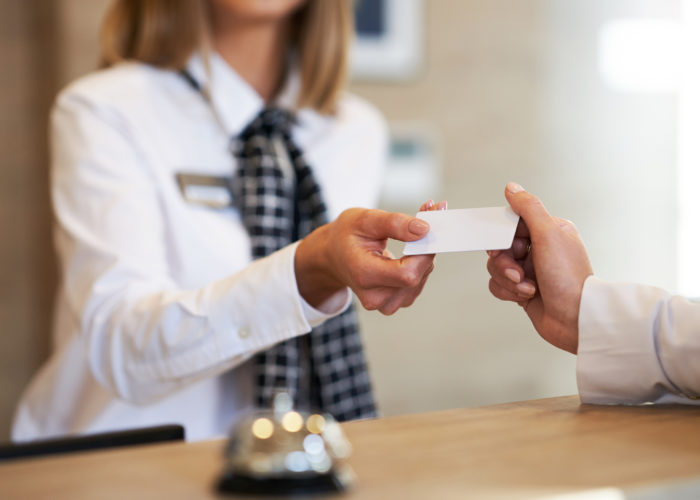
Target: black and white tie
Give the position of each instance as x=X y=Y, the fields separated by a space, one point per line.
x=280 y=202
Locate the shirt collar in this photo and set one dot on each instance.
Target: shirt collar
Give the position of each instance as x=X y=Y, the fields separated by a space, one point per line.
x=235 y=102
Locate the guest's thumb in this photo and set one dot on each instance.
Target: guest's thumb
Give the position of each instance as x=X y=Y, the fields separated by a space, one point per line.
x=529 y=207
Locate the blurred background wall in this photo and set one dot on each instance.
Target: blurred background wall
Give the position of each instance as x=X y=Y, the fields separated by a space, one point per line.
x=27 y=270
x=510 y=90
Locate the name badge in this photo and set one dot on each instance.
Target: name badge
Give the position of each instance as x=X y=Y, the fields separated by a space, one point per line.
x=208 y=190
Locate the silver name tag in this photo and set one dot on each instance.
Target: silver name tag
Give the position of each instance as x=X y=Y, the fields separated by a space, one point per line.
x=208 y=190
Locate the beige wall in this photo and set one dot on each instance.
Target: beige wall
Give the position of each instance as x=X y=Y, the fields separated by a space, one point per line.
x=481 y=89
x=512 y=89
x=27 y=273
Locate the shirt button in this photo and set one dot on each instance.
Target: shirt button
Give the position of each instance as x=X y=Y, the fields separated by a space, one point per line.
x=244 y=333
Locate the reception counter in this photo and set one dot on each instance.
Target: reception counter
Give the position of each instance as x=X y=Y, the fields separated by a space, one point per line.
x=530 y=449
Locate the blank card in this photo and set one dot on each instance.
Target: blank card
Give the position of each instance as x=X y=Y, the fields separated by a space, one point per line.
x=465 y=230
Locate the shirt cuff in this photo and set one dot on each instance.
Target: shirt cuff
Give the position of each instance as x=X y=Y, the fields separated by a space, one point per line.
x=617 y=360
x=259 y=305
x=333 y=306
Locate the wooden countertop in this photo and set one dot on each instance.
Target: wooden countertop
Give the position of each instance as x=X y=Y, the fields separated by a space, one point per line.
x=519 y=450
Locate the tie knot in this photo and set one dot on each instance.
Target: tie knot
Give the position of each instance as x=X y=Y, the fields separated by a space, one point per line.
x=269 y=122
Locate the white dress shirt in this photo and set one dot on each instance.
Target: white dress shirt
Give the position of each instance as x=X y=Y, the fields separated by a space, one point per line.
x=160 y=304
x=637 y=344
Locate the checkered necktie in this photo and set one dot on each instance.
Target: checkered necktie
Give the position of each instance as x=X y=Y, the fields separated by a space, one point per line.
x=280 y=202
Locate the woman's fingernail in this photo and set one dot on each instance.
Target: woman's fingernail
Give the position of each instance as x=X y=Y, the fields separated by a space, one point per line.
x=513 y=187
x=430 y=204
x=418 y=227
x=526 y=288
x=512 y=275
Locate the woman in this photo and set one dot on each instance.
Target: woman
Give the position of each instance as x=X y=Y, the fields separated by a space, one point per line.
x=183 y=175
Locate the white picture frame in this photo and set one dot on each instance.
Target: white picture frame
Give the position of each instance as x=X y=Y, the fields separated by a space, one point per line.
x=392 y=48
x=413 y=171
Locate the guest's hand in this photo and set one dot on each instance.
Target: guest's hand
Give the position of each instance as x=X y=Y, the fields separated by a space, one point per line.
x=544 y=271
x=351 y=252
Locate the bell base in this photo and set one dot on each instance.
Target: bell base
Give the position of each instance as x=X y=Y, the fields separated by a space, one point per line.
x=313 y=485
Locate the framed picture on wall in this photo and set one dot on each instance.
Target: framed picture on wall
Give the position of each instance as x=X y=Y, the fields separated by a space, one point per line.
x=413 y=169
x=389 y=39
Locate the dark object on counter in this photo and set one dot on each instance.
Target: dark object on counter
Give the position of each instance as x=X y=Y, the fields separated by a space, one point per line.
x=286 y=453
x=116 y=439
x=316 y=485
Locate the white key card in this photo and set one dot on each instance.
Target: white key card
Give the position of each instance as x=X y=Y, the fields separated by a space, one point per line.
x=465 y=230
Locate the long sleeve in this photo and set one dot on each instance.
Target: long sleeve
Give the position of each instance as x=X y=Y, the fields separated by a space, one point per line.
x=637 y=344
x=144 y=336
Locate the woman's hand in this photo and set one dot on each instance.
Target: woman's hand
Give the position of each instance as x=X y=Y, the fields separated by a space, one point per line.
x=351 y=252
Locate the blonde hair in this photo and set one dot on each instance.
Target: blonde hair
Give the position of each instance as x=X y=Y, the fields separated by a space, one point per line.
x=165 y=33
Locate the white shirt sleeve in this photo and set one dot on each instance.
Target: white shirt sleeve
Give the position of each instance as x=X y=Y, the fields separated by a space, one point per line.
x=333 y=306
x=144 y=336
x=637 y=344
